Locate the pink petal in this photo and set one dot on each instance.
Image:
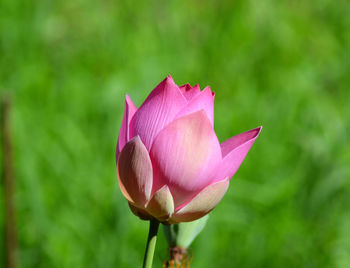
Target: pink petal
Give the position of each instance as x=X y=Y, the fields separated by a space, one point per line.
x=202 y=203
x=129 y=112
x=161 y=205
x=135 y=172
x=234 y=150
x=185 y=156
x=202 y=101
x=190 y=92
x=158 y=110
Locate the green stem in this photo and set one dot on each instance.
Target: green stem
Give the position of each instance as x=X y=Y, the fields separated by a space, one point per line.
x=151 y=243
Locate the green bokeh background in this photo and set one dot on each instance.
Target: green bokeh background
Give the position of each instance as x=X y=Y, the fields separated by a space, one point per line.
x=281 y=64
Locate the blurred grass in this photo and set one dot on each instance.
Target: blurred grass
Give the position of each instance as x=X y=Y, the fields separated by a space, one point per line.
x=281 y=64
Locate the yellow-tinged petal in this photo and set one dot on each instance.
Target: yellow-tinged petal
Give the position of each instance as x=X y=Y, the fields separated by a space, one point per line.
x=135 y=172
x=202 y=203
x=161 y=205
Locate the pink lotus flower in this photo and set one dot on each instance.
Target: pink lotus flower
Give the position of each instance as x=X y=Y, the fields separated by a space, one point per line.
x=170 y=163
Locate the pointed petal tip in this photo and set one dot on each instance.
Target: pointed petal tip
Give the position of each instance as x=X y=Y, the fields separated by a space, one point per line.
x=127 y=98
x=249 y=135
x=196 y=86
x=212 y=92
x=256 y=130
x=234 y=150
x=158 y=110
x=137 y=139
x=169 y=79
x=186 y=87
x=129 y=111
x=161 y=204
x=129 y=101
x=166 y=188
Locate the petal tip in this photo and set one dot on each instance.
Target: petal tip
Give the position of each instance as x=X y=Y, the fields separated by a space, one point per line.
x=169 y=79
x=186 y=87
x=257 y=132
x=161 y=204
x=127 y=97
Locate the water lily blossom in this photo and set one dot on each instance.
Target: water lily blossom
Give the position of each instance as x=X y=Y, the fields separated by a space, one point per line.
x=171 y=166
